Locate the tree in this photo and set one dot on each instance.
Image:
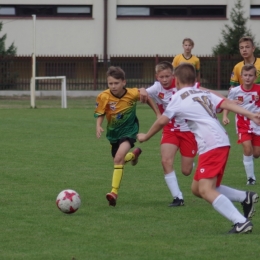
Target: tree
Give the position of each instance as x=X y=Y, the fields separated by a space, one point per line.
x=232 y=34
x=7 y=76
x=3 y=51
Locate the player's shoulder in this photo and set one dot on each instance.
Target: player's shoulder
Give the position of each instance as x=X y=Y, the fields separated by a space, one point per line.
x=235 y=89
x=178 y=56
x=195 y=57
x=239 y=65
x=133 y=92
x=105 y=93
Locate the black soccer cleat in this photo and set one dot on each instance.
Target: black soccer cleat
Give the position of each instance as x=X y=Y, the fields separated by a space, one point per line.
x=239 y=228
x=250 y=181
x=177 y=202
x=248 y=204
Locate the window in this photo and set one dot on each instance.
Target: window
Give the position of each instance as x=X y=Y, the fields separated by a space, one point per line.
x=47 y=10
x=171 y=11
x=7 y=10
x=255 y=11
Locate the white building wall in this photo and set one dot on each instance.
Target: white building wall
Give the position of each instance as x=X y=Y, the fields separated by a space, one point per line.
x=77 y=36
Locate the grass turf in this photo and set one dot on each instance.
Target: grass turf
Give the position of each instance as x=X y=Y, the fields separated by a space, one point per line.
x=44 y=151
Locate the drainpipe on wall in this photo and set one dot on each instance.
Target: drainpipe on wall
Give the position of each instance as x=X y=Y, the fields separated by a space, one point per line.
x=105 y=30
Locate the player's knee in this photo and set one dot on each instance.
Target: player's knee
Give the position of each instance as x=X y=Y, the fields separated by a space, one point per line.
x=166 y=163
x=186 y=172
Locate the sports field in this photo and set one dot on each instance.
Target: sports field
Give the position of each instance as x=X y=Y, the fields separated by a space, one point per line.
x=48 y=149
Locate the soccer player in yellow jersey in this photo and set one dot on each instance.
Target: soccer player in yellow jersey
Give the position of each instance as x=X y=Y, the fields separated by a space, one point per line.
x=186 y=56
x=246 y=48
x=118 y=105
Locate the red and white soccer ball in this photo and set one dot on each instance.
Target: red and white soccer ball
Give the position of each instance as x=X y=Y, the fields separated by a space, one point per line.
x=68 y=201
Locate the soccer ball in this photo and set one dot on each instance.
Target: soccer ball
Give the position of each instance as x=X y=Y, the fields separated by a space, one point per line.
x=68 y=201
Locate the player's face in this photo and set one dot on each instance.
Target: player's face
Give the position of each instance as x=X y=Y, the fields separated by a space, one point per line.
x=116 y=86
x=248 y=78
x=246 y=49
x=165 y=77
x=187 y=47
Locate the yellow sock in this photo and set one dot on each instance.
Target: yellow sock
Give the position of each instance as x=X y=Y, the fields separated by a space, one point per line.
x=117 y=177
x=129 y=157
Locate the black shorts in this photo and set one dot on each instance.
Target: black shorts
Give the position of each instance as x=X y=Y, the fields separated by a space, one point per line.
x=115 y=146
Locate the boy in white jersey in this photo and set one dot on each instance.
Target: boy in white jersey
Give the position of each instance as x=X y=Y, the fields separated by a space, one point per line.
x=248 y=132
x=199 y=107
x=176 y=134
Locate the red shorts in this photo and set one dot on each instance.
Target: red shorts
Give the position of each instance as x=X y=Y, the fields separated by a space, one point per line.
x=255 y=139
x=184 y=140
x=211 y=164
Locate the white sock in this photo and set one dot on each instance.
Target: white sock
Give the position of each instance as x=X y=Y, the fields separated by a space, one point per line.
x=172 y=183
x=226 y=208
x=249 y=166
x=232 y=194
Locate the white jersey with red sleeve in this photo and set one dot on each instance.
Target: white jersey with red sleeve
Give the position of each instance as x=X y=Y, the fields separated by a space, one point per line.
x=162 y=96
x=198 y=108
x=250 y=101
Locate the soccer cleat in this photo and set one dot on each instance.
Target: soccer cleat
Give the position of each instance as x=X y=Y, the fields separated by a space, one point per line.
x=111 y=197
x=137 y=151
x=250 y=181
x=177 y=202
x=242 y=228
x=248 y=204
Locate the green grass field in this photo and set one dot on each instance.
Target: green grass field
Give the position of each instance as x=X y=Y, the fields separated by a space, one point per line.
x=48 y=149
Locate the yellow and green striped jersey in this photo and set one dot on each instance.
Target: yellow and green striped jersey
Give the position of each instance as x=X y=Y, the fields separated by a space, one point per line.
x=120 y=113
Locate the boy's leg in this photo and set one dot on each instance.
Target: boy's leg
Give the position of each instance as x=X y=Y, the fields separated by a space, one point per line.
x=133 y=156
x=248 y=161
x=208 y=176
x=119 y=161
x=224 y=206
x=168 y=152
x=246 y=198
x=187 y=164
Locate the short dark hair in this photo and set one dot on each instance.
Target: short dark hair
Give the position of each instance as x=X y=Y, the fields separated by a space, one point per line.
x=116 y=72
x=248 y=67
x=186 y=73
x=163 y=65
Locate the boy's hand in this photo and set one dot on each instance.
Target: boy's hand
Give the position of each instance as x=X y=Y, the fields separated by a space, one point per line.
x=256 y=118
x=99 y=131
x=143 y=95
x=141 y=137
x=225 y=120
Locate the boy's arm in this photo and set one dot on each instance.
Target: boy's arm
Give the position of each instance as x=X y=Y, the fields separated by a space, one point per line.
x=155 y=128
x=154 y=107
x=225 y=119
x=99 y=128
x=143 y=95
x=229 y=105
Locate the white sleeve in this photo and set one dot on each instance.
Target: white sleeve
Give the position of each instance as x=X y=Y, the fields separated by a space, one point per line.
x=172 y=107
x=152 y=91
x=231 y=93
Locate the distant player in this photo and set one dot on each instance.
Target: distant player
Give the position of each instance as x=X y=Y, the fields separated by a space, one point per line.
x=118 y=105
x=176 y=135
x=248 y=132
x=186 y=56
x=246 y=48
x=198 y=108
